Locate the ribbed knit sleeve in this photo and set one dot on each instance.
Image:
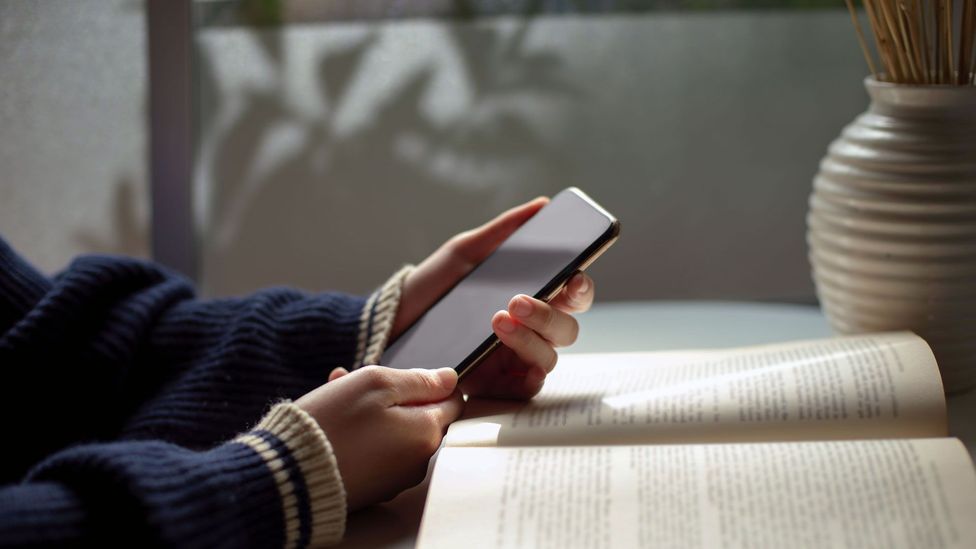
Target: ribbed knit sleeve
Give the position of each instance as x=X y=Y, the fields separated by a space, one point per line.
x=219 y=364
x=276 y=486
x=313 y=498
x=147 y=493
x=122 y=349
x=376 y=321
x=123 y=386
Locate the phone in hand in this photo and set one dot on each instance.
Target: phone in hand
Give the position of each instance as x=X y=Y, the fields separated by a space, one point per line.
x=561 y=239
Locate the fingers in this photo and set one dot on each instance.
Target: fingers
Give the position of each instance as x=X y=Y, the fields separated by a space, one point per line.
x=414 y=386
x=556 y=326
x=518 y=384
x=475 y=245
x=337 y=373
x=576 y=296
x=530 y=347
x=439 y=272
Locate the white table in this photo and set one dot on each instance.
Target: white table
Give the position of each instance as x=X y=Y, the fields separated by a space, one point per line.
x=651 y=326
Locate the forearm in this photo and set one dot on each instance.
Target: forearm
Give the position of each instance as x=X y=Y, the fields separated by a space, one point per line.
x=228 y=359
x=121 y=347
x=277 y=485
x=377 y=318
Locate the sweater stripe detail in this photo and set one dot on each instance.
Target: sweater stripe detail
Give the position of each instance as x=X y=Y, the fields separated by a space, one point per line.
x=286 y=489
x=298 y=483
x=370 y=332
x=364 y=322
x=380 y=313
x=316 y=462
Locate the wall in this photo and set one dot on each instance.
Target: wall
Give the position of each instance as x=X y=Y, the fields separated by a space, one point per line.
x=72 y=132
x=331 y=153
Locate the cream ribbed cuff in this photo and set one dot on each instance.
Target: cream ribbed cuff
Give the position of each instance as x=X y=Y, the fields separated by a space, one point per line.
x=308 y=446
x=376 y=321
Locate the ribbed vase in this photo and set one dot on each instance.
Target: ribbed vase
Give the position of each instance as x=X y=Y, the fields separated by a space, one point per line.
x=892 y=222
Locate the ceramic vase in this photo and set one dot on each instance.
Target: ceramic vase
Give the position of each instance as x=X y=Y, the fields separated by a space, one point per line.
x=892 y=222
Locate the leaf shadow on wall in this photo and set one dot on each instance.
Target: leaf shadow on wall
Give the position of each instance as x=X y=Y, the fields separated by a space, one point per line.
x=129 y=233
x=343 y=210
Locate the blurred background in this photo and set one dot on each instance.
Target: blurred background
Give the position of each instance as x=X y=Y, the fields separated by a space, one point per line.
x=331 y=142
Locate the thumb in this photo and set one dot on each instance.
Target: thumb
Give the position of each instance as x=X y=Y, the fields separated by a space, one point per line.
x=475 y=245
x=337 y=373
x=420 y=386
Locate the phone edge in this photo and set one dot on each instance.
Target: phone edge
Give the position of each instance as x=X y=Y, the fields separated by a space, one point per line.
x=589 y=255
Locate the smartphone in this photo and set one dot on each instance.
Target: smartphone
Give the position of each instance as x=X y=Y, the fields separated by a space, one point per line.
x=561 y=239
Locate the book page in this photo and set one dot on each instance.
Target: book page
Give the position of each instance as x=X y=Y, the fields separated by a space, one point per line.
x=856 y=494
x=875 y=386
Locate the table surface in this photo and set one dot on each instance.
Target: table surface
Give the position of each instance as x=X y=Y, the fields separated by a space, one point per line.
x=651 y=326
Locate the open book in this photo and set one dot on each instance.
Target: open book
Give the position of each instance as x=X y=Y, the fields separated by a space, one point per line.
x=835 y=443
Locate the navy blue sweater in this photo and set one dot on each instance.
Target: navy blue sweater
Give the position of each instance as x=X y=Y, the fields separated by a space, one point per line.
x=120 y=387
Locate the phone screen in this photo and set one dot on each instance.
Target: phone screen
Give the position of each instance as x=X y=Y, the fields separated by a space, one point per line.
x=535 y=260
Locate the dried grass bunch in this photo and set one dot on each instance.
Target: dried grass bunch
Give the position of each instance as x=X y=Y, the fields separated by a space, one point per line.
x=920 y=41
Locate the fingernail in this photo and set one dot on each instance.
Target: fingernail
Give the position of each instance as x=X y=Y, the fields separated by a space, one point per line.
x=583 y=284
x=447 y=376
x=506 y=324
x=522 y=308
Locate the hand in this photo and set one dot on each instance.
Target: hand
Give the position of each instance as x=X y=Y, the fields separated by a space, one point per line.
x=518 y=368
x=529 y=331
x=384 y=425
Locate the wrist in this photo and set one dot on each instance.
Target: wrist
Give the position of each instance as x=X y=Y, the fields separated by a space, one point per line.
x=378 y=318
x=304 y=468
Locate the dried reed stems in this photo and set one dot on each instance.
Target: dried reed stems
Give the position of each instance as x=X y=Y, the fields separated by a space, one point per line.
x=920 y=41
